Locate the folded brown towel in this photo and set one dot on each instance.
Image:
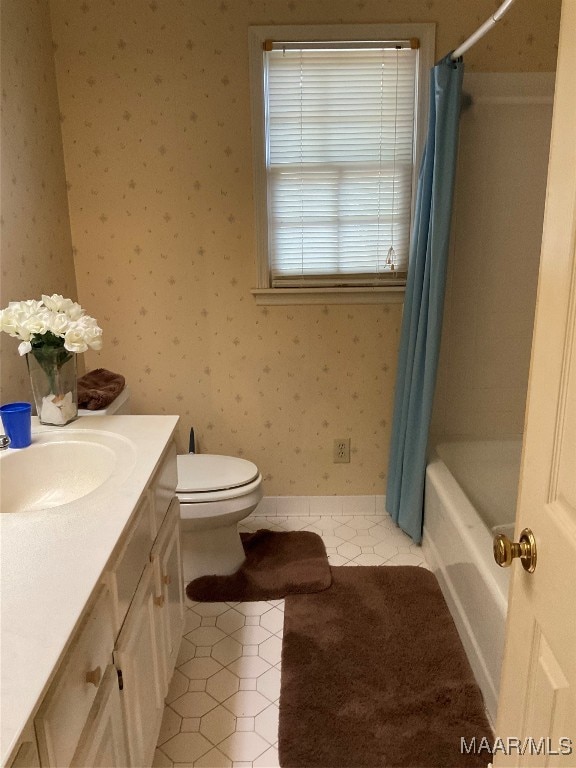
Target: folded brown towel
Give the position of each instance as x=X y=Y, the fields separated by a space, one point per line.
x=98 y=388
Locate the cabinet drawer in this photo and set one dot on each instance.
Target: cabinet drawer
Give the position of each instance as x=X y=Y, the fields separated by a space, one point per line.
x=163 y=486
x=66 y=706
x=124 y=573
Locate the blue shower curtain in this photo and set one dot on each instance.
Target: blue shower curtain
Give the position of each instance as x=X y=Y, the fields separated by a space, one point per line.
x=424 y=302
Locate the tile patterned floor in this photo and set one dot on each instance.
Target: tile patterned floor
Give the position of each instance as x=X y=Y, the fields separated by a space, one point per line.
x=222 y=707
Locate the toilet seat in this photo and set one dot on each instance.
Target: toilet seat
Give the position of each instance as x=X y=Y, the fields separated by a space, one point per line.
x=207 y=477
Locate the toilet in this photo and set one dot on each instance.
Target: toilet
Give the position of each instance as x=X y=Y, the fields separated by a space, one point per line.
x=215 y=494
x=118 y=407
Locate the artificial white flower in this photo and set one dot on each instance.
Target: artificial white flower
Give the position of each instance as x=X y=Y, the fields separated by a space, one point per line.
x=10 y=320
x=37 y=323
x=27 y=308
x=57 y=323
x=74 y=311
x=74 y=340
x=24 y=347
x=93 y=337
x=57 y=303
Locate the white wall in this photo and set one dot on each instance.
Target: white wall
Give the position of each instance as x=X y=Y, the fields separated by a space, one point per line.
x=493 y=267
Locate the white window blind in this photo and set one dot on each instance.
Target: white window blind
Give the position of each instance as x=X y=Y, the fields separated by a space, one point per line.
x=339 y=161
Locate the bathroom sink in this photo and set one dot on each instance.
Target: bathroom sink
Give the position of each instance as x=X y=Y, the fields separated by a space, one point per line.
x=61 y=467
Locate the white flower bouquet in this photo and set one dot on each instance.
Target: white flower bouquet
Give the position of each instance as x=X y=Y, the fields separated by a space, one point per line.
x=51 y=332
x=51 y=322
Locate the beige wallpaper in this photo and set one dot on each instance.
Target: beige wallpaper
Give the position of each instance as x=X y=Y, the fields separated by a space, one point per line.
x=156 y=128
x=35 y=243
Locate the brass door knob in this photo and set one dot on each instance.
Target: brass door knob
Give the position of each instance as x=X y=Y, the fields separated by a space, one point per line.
x=505 y=550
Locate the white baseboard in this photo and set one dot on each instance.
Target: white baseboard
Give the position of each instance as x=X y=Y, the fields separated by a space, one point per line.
x=305 y=506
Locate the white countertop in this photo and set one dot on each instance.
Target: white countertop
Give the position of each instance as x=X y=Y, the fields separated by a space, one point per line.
x=50 y=562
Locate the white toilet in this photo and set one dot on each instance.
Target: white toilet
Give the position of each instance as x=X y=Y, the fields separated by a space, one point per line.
x=118 y=407
x=215 y=493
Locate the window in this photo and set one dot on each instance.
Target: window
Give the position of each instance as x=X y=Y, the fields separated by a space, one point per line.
x=336 y=112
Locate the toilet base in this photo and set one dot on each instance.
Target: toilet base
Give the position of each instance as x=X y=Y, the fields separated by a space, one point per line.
x=217 y=552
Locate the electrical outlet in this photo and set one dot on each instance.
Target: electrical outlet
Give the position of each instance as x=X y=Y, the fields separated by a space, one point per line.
x=342 y=451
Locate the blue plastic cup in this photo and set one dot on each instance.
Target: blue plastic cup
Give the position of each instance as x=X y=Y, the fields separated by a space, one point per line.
x=17 y=421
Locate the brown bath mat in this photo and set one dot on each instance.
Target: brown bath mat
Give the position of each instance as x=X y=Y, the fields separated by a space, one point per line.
x=277 y=564
x=374 y=674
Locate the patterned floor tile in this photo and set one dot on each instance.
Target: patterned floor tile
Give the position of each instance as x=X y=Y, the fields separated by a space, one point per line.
x=246 y=703
x=223 y=698
x=244 y=745
x=266 y=724
x=227 y=651
x=186 y=747
x=213 y=759
x=178 y=686
x=268 y=759
x=272 y=620
x=271 y=650
x=252 y=635
x=218 y=724
x=268 y=684
x=161 y=760
x=194 y=704
x=222 y=685
x=171 y=725
x=200 y=669
x=230 y=621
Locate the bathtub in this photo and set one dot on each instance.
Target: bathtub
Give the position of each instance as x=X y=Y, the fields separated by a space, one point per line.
x=471 y=490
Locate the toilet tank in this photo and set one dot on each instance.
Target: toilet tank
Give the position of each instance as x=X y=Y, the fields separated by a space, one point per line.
x=118 y=407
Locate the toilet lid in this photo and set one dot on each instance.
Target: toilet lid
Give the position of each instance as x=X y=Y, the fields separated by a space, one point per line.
x=198 y=472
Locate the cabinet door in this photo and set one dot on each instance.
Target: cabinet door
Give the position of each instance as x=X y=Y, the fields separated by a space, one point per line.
x=63 y=712
x=167 y=560
x=103 y=740
x=138 y=656
x=27 y=755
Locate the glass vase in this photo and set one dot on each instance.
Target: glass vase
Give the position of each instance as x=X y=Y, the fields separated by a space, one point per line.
x=53 y=378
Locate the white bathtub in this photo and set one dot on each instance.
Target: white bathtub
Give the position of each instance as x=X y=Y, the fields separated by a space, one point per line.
x=471 y=490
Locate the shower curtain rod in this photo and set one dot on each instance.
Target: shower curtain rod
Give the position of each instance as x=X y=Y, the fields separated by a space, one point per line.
x=481 y=31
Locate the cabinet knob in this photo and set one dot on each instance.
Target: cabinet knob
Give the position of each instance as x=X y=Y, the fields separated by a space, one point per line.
x=94 y=676
x=159 y=601
x=167 y=578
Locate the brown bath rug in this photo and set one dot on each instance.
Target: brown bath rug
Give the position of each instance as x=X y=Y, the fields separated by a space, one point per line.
x=277 y=564
x=374 y=674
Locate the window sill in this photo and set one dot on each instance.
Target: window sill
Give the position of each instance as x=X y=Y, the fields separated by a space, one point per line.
x=360 y=295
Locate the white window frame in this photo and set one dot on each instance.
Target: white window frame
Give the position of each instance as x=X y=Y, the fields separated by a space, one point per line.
x=425 y=33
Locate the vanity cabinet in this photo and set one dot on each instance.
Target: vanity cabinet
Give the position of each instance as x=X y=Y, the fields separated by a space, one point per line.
x=105 y=704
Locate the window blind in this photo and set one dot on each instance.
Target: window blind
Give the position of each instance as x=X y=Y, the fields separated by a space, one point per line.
x=339 y=160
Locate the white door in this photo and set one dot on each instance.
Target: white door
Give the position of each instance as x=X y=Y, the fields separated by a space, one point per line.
x=538 y=690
